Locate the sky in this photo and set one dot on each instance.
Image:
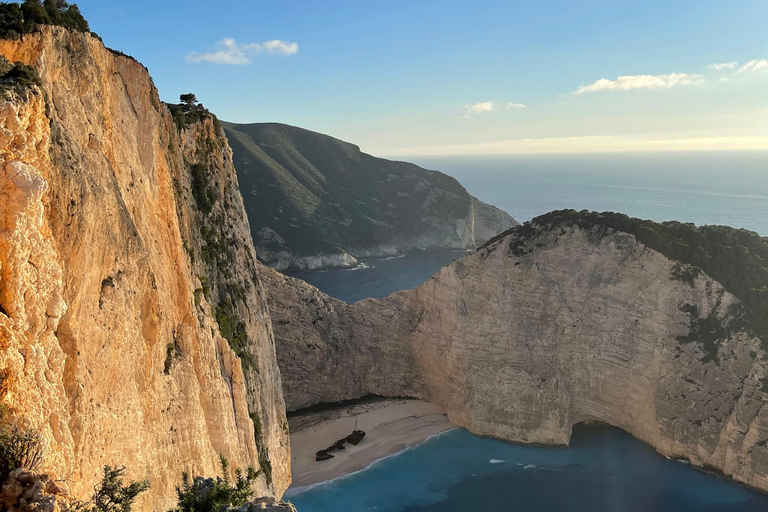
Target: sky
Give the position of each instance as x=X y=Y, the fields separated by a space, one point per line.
x=426 y=77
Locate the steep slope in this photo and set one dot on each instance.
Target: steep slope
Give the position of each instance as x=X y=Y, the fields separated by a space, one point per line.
x=133 y=325
x=315 y=201
x=561 y=321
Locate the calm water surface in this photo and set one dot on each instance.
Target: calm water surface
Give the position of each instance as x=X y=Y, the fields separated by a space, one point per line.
x=378 y=278
x=604 y=470
x=729 y=188
x=716 y=187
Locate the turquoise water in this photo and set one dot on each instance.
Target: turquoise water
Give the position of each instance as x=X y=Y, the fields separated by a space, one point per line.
x=604 y=470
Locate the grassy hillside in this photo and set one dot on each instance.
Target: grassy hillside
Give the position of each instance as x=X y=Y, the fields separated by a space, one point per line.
x=322 y=195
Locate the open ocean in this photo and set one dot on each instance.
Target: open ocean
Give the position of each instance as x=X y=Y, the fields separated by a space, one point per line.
x=605 y=469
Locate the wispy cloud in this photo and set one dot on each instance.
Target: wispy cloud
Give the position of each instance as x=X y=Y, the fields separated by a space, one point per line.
x=754 y=65
x=627 y=83
x=227 y=51
x=489 y=106
x=720 y=66
x=479 y=108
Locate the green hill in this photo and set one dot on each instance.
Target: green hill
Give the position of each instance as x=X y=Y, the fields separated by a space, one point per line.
x=309 y=195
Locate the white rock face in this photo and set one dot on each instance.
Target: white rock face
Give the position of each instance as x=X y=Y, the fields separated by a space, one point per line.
x=582 y=328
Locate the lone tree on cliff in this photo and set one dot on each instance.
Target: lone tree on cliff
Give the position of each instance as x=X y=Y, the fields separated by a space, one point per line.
x=188 y=99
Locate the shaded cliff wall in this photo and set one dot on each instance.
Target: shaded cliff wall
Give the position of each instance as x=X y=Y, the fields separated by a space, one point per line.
x=315 y=201
x=110 y=346
x=521 y=345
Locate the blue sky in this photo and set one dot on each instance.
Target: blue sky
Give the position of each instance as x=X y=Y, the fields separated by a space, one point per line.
x=444 y=77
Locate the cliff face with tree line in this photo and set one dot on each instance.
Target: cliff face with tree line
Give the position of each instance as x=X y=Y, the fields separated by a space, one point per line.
x=133 y=323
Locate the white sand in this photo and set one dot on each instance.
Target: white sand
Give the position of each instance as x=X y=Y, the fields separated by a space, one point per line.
x=390 y=426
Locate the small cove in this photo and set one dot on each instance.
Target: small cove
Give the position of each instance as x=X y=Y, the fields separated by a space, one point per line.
x=604 y=470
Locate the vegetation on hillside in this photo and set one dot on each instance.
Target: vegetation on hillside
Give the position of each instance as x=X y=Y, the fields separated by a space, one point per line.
x=310 y=193
x=16 y=76
x=112 y=495
x=737 y=258
x=20 y=448
x=189 y=111
x=200 y=494
x=26 y=17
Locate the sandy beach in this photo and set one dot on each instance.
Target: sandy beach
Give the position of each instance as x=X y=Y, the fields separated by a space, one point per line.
x=390 y=426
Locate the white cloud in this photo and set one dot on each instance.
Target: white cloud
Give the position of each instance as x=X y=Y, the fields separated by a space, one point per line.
x=489 y=106
x=479 y=108
x=227 y=51
x=754 y=65
x=719 y=66
x=626 y=83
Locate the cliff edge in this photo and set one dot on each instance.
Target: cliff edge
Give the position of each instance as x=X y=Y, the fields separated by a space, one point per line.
x=564 y=320
x=134 y=329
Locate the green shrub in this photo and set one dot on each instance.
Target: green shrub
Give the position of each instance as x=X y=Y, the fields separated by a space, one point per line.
x=266 y=467
x=205 y=285
x=208 y=495
x=17 y=19
x=264 y=463
x=16 y=76
x=110 y=495
x=20 y=448
x=233 y=330
x=185 y=115
x=202 y=191
x=5 y=65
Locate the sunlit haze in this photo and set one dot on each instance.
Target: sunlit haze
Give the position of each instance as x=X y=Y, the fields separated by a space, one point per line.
x=447 y=77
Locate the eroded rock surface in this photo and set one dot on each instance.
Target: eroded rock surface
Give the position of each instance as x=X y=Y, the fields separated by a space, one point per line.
x=118 y=287
x=526 y=338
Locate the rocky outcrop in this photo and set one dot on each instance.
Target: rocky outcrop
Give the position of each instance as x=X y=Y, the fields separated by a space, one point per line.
x=25 y=491
x=542 y=329
x=269 y=504
x=315 y=201
x=134 y=328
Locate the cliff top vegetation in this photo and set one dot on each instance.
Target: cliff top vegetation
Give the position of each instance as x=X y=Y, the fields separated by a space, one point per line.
x=737 y=258
x=26 y=17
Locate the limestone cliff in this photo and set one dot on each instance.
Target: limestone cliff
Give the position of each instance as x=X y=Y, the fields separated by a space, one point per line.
x=541 y=329
x=134 y=328
x=315 y=201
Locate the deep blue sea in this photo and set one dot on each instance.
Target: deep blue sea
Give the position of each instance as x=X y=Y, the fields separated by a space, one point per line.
x=715 y=187
x=605 y=469
x=728 y=188
x=379 y=277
